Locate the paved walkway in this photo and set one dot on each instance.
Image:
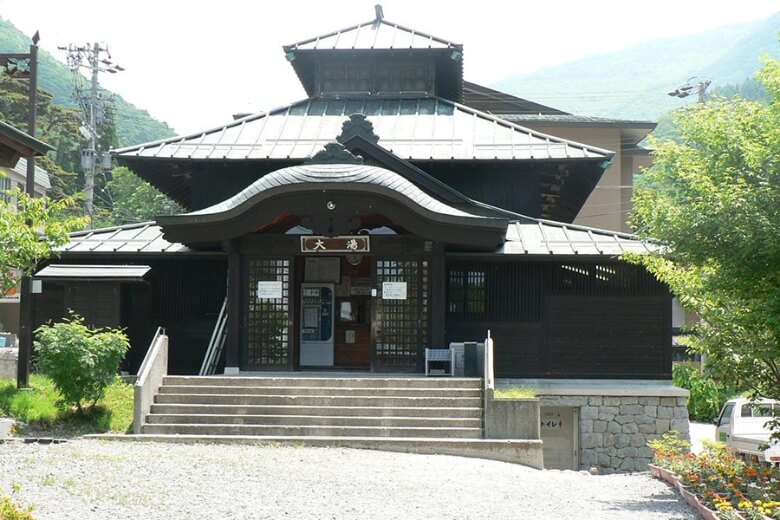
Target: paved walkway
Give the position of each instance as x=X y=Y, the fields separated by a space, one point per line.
x=108 y=480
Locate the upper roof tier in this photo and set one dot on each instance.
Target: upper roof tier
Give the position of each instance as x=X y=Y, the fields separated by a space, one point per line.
x=378 y=57
x=414 y=129
x=374 y=34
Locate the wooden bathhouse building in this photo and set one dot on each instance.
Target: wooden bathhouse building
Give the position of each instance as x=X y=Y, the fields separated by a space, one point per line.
x=382 y=215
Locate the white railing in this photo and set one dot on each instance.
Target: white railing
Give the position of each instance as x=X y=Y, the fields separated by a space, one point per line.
x=489 y=376
x=488 y=383
x=150 y=376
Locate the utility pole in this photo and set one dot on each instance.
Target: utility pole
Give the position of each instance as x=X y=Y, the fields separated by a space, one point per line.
x=14 y=64
x=96 y=59
x=695 y=84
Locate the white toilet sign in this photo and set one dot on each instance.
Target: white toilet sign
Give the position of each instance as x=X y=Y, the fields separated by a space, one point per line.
x=393 y=290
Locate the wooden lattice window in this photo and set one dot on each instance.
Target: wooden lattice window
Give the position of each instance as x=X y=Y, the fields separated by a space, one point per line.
x=269 y=319
x=493 y=291
x=402 y=323
x=467 y=292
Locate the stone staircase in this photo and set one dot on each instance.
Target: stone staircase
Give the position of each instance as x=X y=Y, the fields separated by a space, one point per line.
x=417 y=414
x=332 y=407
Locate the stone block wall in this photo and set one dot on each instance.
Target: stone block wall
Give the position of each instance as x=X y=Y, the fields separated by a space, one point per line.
x=614 y=430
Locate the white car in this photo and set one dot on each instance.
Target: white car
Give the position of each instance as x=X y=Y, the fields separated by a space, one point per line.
x=743 y=426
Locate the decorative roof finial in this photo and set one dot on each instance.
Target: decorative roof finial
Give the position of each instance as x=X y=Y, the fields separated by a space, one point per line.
x=379 y=15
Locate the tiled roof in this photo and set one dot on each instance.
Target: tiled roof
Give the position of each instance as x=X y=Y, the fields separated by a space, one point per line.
x=415 y=129
x=526 y=237
x=544 y=237
x=376 y=34
x=145 y=238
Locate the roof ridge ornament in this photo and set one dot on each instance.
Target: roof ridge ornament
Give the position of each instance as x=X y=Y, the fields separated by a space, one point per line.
x=334 y=153
x=357 y=125
x=380 y=15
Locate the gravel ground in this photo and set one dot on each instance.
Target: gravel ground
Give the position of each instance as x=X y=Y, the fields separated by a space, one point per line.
x=98 y=479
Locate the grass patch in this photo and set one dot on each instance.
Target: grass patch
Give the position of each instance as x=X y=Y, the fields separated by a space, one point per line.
x=42 y=410
x=514 y=392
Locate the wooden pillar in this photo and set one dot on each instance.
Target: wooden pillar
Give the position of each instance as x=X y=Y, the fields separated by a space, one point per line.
x=233 y=340
x=438 y=296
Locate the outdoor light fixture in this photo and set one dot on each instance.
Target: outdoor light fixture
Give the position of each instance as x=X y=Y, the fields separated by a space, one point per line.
x=330 y=205
x=290 y=56
x=455 y=55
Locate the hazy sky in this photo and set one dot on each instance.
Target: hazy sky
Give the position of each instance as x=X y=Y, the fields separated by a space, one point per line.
x=194 y=63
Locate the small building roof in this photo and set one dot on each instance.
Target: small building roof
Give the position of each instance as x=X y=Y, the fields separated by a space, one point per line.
x=144 y=238
x=528 y=113
x=15 y=144
x=545 y=237
x=108 y=273
x=416 y=129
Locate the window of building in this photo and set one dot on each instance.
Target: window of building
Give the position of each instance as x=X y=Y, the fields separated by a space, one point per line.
x=466 y=292
x=494 y=291
x=5 y=186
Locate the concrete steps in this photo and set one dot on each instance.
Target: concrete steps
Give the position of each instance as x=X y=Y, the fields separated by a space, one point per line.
x=323 y=407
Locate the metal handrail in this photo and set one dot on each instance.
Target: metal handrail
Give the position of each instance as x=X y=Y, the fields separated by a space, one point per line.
x=214 y=348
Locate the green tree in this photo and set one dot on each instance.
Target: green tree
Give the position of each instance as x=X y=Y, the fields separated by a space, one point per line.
x=134 y=200
x=30 y=230
x=713 y=202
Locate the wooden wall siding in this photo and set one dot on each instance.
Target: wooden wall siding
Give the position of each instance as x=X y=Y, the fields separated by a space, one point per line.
x=269 y=321
x=183 y=295
x=401 y=329
x=97 y=303
x=603 y=335
x=580 y=319
x=48 y=306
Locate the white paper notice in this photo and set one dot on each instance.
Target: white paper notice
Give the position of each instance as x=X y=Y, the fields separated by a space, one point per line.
x=393 y=290
x=269 y=290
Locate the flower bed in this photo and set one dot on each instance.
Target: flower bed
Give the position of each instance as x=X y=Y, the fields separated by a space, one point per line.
x=715 y=483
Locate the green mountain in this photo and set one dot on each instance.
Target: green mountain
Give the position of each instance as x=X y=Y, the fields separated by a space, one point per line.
x=633 y=83
x=133 y=125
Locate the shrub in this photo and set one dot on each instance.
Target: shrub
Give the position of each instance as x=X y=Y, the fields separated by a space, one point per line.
x=82 y=362
x=9 y=510
x=707 y=396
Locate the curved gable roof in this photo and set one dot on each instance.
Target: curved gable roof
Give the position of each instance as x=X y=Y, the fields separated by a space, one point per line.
x=317 y=174
x=359 y=190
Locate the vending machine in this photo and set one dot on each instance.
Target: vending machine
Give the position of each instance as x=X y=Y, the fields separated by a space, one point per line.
x=317 y=325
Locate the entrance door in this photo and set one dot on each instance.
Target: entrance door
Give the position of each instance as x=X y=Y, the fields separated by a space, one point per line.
x=316 y=325
x=559 y=431
x=400 y=315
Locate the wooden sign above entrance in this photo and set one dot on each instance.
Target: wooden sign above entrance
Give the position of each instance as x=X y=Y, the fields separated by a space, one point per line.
x=344 y=244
